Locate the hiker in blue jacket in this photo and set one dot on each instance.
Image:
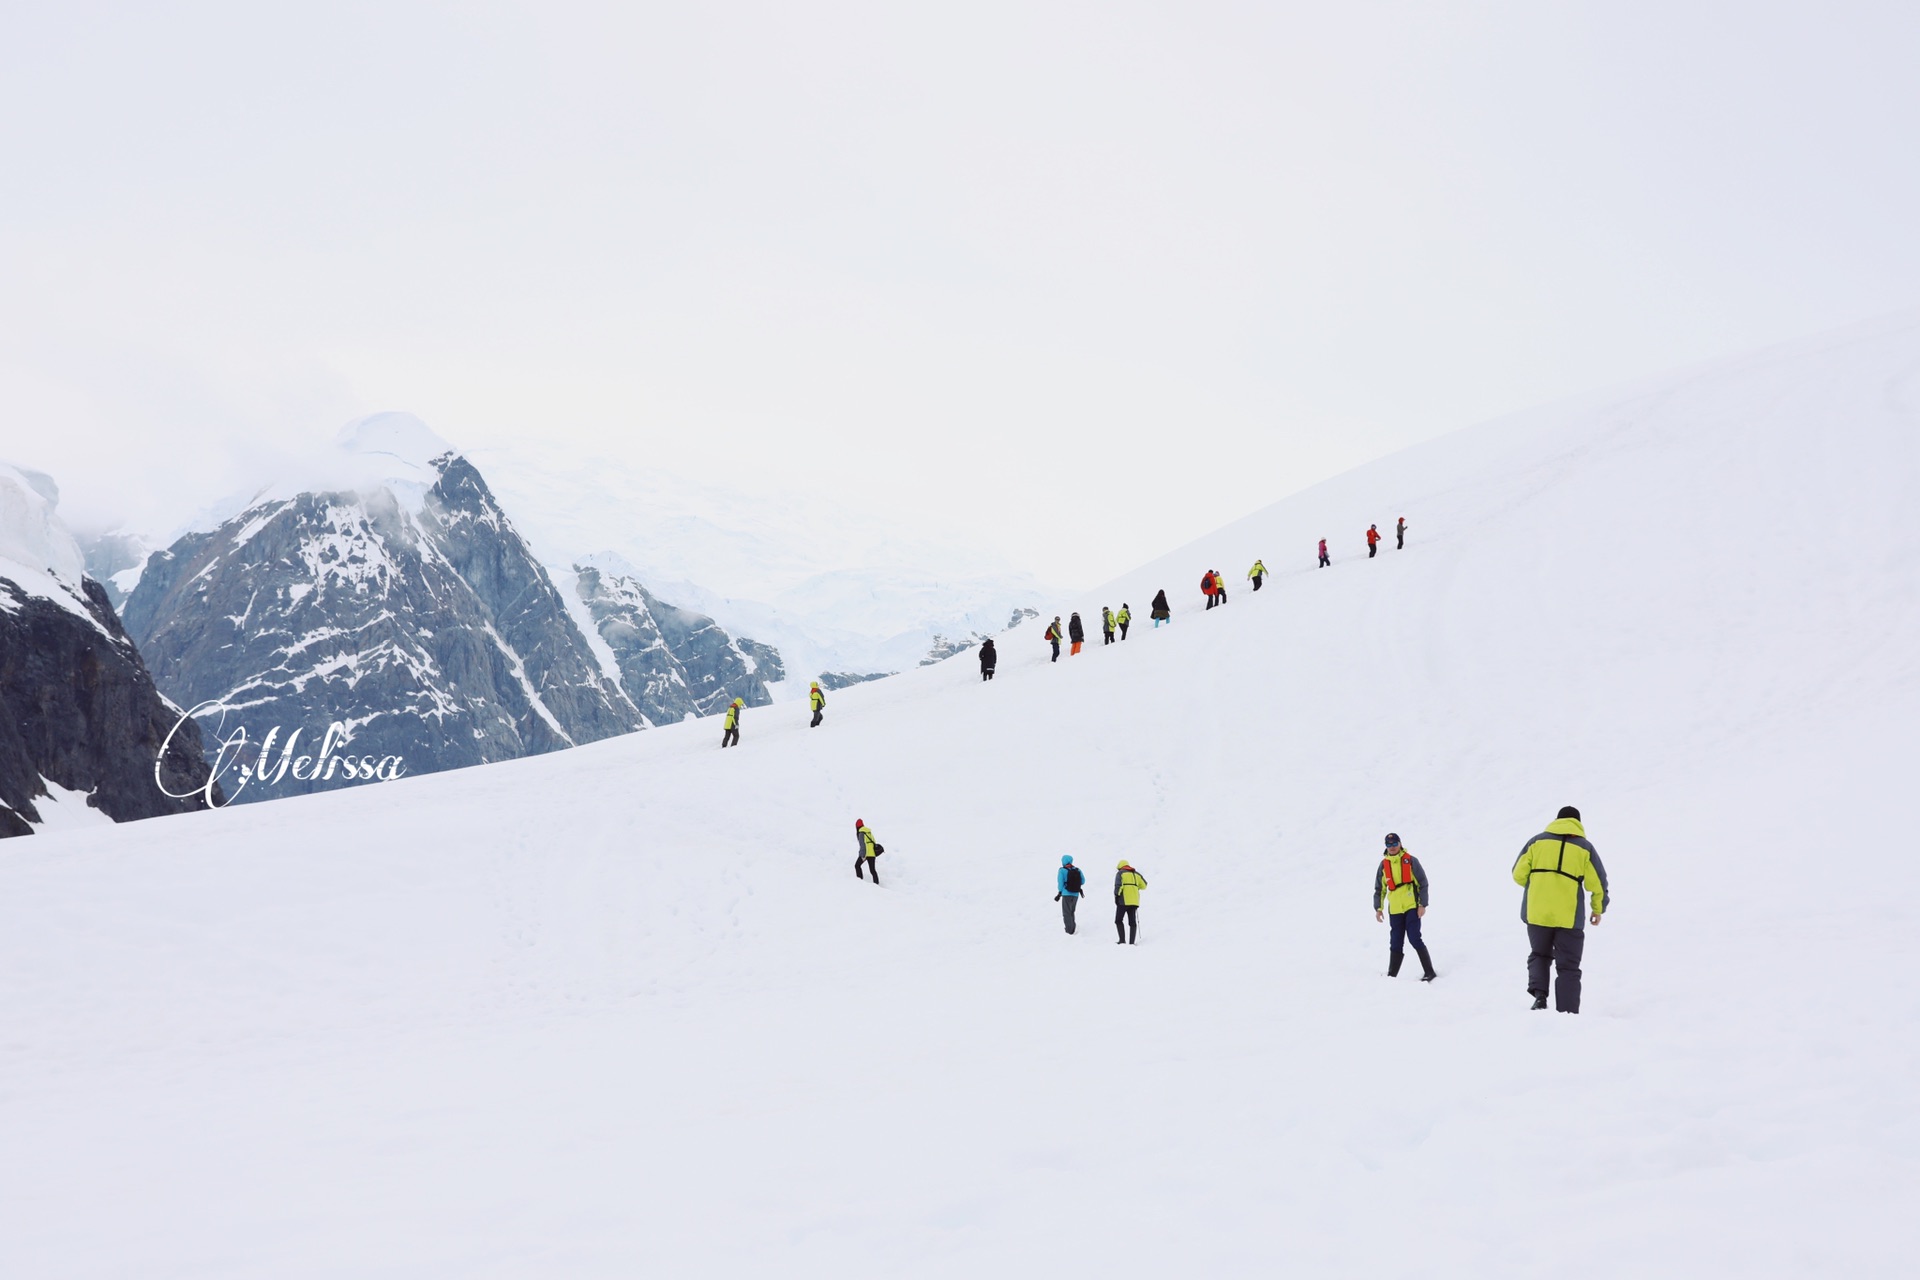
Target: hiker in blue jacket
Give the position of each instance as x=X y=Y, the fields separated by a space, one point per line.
x=1068 y=885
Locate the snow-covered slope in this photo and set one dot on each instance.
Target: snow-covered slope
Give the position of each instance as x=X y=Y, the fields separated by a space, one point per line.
x=623 y=1010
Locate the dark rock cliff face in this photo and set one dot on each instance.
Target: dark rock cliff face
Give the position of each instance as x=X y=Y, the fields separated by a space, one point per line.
x=78 y=708
x=427 y=630
x=674 y=662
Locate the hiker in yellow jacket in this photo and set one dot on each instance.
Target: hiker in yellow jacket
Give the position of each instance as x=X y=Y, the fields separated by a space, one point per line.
x=1402 y=881
x=1257 y=573
x=819 y=703
x=1558 y=868
x=731 y=736
x=1127 y=884
x=866 y=850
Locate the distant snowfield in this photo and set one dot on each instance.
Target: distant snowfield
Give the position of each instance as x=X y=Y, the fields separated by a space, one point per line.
x=831 y=584
x=624 y=1010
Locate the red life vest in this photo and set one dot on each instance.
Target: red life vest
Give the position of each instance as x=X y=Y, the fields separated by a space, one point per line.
x=1386 y=870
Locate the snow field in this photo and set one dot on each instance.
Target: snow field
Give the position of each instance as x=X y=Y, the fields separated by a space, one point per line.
x=624 y=1009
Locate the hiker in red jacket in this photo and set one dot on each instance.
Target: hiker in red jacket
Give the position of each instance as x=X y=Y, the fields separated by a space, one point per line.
x=1373 y=540
x=1210 y=587
x=1324 y=561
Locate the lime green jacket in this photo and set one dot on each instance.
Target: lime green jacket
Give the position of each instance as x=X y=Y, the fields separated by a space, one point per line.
x=1258 y=571
x=1127 y=886
x=1409 y=888
x=733 y=717
x=1558 y=868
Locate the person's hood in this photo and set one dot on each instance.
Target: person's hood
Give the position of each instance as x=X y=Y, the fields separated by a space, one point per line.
x=1566 y=827
x=1066 y=859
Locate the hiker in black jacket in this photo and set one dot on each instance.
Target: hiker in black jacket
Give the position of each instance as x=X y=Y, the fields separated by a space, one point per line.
x=989 y=658
x=1076 y=632
x=1162 y=611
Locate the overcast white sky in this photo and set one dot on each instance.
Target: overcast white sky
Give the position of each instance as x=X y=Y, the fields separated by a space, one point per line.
x=1080 y=280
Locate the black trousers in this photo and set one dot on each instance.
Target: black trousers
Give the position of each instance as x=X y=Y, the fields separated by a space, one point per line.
x=1256 y=580
x=1324 y=562
x=862 y=863
x=986 y=673
x=1131 y=917
x=1399 y=539
x=1068 y=903
x=1372 y=548
x=1123 y=629
x=816 y=718
x=731 y=738
x=1106 y=637
x=1056 y=651
x=1560 y=948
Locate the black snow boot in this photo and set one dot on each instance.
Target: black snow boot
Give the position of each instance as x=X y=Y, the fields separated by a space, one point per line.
x=1426 y=965
x=1539 y=1002
x=1393 y=964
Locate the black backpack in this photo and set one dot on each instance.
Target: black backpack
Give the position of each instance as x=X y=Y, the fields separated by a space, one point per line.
x=1074 y=879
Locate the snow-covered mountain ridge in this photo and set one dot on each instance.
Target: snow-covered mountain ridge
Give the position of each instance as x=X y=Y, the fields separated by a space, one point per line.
x=624 y=1008
x=402 y=607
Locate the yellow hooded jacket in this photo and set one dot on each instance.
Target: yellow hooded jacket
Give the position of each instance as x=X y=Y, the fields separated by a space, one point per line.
x=1554 y=868
x=1127 y=886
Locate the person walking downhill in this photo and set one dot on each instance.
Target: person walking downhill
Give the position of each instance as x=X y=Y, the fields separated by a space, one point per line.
x=866 y=849
x=1210 y=588
x=731 y=735
x=989 y=658
x=1067 y=887
x=1553 y=869
x=1373 y=540
x=1053 y=636
x=1400 y=535
x=1403 y=882
x=1076 y=632
x=1122 y=618
x=1127 y=884
x=1161 y=611
x=1258 y=572
x=1324 y=560
x=1106 y=626
x=819 y=701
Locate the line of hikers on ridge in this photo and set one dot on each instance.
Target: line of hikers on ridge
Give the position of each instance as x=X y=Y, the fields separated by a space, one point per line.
x=1213 y=585
x=1557 y=870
